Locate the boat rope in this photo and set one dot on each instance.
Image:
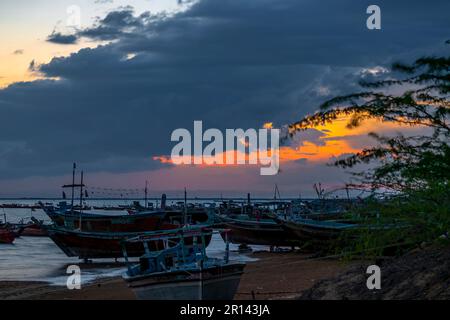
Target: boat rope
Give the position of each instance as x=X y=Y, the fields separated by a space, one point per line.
x=115 y=192
x=254 y=293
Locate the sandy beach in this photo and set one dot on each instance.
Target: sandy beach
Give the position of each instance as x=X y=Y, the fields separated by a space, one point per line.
x=275 y=275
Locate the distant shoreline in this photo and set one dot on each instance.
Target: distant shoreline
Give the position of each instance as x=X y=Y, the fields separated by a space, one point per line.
x=173 y=199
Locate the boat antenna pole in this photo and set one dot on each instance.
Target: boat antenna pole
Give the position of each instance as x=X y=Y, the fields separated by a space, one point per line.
x=146 y=193
x=227 y=248
x=81 y=191
x=201 y=280
x=73 y=184
x=81 y=198
x=277 y=193
x=185 y=207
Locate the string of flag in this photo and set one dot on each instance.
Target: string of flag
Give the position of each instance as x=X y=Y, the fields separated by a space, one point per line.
x=112 y=192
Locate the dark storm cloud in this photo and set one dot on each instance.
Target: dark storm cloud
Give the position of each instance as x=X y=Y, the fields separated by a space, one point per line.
x=59 y=38
x=229 y=63
x=114 y=25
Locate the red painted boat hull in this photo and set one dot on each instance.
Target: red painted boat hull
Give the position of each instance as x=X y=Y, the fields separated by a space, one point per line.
x=7 y=236
x=34 y=231
x=253 y=232
x=89 y=245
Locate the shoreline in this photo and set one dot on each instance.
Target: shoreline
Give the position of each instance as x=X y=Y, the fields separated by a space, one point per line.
x=275 y=275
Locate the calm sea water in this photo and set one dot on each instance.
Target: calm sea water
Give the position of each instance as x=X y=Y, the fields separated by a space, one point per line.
x=39 y=259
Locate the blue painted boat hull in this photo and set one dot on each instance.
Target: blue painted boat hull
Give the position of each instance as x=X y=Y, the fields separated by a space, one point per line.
x=218 y=283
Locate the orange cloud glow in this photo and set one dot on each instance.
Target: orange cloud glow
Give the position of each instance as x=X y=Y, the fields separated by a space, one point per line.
x=337 y=139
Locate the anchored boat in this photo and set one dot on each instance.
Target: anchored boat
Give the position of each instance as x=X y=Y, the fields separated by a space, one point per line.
x=181 y=271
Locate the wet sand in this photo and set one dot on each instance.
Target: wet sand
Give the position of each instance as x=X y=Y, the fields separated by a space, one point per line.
x=284 y=275
x=278 y=275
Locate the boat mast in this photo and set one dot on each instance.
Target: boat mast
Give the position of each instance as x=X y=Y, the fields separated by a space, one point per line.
x=81 y=197
x=73 y=184
x=277 y=193
x=201 y=280
x=185 y=207
x=346 y=190
x=227 y=248
x=81 y=191
x=146 y=193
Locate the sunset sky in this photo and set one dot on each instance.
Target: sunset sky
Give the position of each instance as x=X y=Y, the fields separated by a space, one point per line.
x=108 y=93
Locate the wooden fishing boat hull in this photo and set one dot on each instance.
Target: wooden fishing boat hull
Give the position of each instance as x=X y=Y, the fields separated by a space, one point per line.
x=218 y=283
x=90 y=245
x=252 y=232
x=34 y=231
x=315 y=230
x=7 y=236
x=316 y=234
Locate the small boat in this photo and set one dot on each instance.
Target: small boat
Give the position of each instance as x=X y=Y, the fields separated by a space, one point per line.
x=181 y=272
x=32 y=228
x=246 y=229
x=7 y=236
x=15 y=229
x=95 y=245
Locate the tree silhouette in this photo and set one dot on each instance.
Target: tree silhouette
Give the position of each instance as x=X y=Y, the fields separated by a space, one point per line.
x=420 y=98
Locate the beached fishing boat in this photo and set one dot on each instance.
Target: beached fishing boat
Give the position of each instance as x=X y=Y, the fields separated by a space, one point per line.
x=246 y=229
x=179 y=271
x=315 y=233
x=92 y=245
x=95 y=245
